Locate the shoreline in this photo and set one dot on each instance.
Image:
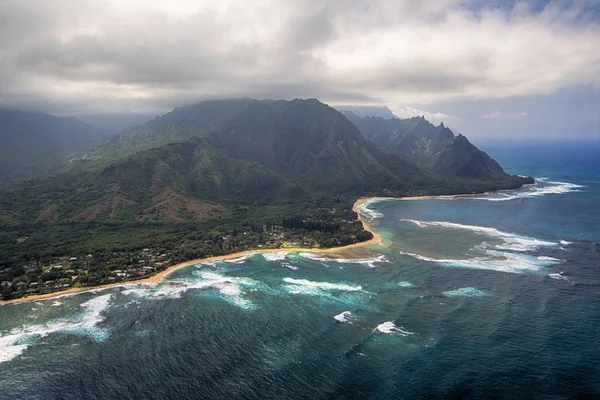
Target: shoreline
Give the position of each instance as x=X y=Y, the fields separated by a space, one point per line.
x=163 y=274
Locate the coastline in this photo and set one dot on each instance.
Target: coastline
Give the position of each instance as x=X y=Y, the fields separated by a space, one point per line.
x=163 y=274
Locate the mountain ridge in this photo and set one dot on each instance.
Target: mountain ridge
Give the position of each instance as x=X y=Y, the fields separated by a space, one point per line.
x=434 y=148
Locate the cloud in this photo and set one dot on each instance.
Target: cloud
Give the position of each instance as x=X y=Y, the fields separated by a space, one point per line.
x=499 y=115
x=148 y=55
x=434 y=117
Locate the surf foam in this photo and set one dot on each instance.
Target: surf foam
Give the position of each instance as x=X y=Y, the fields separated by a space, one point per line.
x=559 y=276
x=275 y=256
x=511 y=241
x=543 y=187
x=390 y=328
x=366 y=261
x=343 y=317
x=16 y=341
x=364 y=209
x=231 y=288
x=464 y=292
x=323 y=285
x=496 y=261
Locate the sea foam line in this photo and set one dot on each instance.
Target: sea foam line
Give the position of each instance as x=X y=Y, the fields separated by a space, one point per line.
x=542 y=188
x=323 y=285
x=464 y=292
x=366 y=261
x=496 y=261
x=511 y=241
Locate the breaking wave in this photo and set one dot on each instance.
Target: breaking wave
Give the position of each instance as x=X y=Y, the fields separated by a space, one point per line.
x=496 y=261
x=542 y=188
x=344 y=317
x=366 y=261
x=464 y=292
x=391 y=328
x=322 y=285
x=274 y=256
x=16 y=341
x=231 y=288
x=511 y=241
x=559 y=276
x=364 y=209
x=239 y=260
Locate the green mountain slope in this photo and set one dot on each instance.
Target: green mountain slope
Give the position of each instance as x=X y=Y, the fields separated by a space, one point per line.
x=434 y=148
x=32 y=143
x=210 y=179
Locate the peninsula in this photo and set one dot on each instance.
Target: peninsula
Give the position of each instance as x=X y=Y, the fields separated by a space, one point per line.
x=215 y=179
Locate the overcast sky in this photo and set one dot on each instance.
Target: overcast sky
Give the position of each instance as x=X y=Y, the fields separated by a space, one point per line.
x=484 y=67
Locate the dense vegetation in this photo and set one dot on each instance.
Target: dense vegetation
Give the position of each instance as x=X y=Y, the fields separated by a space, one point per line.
x=208 y=179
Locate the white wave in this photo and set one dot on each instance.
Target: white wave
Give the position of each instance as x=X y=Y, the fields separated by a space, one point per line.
x=228 y=286
x=343 y=317
x=239 y=260
x=543 y=187
x=559 y=276
x=366 y=261
x=275 y=256
x=464 y=292
x=511 y=241
x=323 y=285
x=390 y=328
x=16 y=341
x=551 y=259
x=405 y=284
x=364 y=209
x=495 y=260
x=565 y=243
x=56 y=304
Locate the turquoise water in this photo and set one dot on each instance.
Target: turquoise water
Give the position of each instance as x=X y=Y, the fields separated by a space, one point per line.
x=495 y=296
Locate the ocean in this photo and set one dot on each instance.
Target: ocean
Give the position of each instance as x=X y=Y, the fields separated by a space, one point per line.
x=492 y=296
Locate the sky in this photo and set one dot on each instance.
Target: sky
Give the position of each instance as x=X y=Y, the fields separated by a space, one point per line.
x=487 y=68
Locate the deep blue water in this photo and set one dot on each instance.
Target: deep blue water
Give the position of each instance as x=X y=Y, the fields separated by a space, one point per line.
x=494 y=296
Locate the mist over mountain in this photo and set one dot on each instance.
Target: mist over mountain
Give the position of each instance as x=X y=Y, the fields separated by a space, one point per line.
x=32 y=143
x=113 y=124
x=368 y=111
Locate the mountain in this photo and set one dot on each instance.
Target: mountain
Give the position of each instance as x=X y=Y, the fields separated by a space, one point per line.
x=32 y=143
x=434 y=148
x=113 y=124
x=199 y=159
x=368 y=111
x=177 y=126
x=276 y=152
